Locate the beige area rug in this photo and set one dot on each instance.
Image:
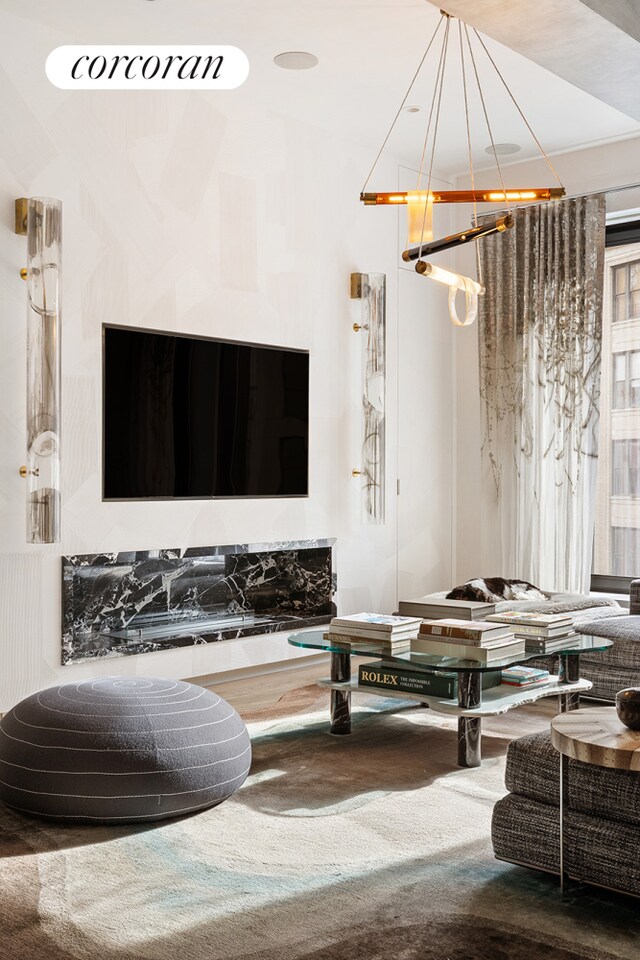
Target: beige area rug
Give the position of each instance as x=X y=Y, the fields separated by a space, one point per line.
x=369 y=847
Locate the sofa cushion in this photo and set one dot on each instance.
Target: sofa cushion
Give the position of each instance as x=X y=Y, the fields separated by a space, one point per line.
x=533 y=770
x=625 y=633
x=614 y=628
x=580 y=607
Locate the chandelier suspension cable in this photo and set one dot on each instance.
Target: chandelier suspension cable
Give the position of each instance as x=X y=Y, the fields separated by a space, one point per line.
x=468 y=126
x=404 y=100
x=445 y=47
x=519 y=109
x=437 y=96
x=486 y=118
x=431 y=109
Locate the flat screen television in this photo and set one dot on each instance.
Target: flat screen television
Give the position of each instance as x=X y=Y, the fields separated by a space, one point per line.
x=193 y=417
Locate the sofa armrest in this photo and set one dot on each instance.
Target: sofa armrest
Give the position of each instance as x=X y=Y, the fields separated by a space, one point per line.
x=634 y=598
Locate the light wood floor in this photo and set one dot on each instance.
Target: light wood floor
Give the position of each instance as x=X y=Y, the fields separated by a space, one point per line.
x=257 y=693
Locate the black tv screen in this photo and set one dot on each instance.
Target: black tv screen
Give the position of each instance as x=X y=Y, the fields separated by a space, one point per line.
x=194 y=417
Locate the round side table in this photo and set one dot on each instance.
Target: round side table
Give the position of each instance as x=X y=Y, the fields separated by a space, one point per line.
x=591 y=736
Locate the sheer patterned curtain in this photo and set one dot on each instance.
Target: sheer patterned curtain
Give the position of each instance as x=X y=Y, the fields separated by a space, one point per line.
x=540 y=332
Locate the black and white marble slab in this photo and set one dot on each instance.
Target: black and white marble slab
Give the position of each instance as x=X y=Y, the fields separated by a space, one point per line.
x=118 y=604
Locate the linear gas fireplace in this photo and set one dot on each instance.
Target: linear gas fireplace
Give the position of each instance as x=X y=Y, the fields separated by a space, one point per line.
x=117 y=604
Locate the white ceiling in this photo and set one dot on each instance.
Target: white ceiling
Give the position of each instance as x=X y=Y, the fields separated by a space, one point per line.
x=368 y=52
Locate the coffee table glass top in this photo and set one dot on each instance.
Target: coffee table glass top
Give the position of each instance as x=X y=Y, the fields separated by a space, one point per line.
x=314 y=640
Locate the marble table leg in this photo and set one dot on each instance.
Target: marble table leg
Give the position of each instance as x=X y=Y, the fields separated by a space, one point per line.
x=469 y=728
x=340 y=699
x=569 y=673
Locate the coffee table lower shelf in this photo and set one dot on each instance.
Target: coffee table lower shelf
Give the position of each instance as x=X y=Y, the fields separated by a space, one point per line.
x=495 y=701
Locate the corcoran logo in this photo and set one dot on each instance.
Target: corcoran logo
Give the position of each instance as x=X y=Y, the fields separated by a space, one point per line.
x=129 y=67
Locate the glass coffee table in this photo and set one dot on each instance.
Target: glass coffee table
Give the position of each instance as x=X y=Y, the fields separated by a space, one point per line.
x=472 y=704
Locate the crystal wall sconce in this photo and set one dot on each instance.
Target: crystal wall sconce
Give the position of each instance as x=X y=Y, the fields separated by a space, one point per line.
x=370 y=289
x=40 y=220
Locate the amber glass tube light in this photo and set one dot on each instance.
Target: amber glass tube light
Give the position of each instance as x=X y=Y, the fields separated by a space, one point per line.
x=524 y=195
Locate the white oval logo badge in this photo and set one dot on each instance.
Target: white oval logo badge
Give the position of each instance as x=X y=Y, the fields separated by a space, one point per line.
x=147 y=67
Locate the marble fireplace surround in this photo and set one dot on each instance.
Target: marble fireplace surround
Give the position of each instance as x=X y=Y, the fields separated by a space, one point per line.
x=119 y=604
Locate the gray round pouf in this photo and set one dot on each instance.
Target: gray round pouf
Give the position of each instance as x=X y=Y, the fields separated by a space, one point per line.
x=121 y=749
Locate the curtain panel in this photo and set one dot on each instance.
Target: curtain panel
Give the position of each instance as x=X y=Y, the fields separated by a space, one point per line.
x=540 y=335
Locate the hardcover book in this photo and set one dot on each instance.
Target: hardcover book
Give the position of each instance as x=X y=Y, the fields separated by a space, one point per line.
x=389 y=676
x=471 y=633
x=395 y=645
x=376 y=621
x=526 y=630
x=441 y=648
x=364 y=633
x=521 y=676
x=525 y=619
x=552 y=645
x=436 y=608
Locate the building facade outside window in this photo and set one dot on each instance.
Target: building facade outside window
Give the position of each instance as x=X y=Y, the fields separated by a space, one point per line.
x=617 y=527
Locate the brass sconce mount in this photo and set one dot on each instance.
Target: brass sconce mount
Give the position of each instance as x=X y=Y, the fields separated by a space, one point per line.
x=21 y=208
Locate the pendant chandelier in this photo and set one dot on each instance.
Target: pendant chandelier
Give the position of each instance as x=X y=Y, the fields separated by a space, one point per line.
x=419 y=203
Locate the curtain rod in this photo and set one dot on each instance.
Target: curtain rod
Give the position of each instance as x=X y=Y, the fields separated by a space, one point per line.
x=575 y=196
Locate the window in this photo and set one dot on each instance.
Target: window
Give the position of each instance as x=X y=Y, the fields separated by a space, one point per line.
x=626 y=468
x=625 y=300
x=626 y=379
x=625 y=551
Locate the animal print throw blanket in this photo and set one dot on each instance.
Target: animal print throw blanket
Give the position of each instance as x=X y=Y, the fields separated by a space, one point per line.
x=524 y=596
x=494 y=589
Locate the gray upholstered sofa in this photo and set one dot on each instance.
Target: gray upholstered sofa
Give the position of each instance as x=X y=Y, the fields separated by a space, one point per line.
x=610 y=670
x=619 y=666
x=602 y=823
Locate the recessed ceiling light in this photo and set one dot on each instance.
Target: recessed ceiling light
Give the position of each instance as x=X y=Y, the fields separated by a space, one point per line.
x=412 y=109
x=296 y=60
x=503 y=149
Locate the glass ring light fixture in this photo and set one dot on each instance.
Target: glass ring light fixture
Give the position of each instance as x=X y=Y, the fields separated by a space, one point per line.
x=40 y=220
x=419 y=203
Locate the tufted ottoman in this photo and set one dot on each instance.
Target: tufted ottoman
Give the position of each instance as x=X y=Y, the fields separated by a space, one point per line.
x=121 y=749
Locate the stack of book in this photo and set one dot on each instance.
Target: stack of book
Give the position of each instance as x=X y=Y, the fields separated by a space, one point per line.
x=542 y=633
x=438 y=608
x=476 y=640
x=393 y=633
x=519 y=676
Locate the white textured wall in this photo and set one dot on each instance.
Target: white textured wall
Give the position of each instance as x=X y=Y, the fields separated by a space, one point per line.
x=194 y=213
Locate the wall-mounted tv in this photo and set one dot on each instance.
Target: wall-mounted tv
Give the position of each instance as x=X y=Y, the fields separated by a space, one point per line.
x=194 y=417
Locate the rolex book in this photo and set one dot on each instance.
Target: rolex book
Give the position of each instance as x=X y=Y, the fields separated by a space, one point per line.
x=390 y=676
